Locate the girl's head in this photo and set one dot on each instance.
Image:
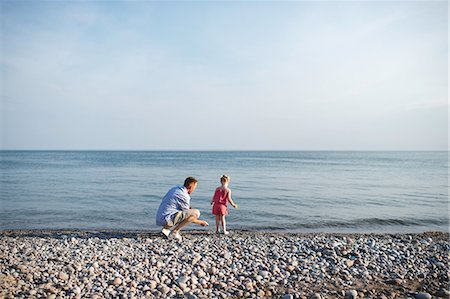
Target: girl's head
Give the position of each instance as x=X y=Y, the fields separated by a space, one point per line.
x=224 y=179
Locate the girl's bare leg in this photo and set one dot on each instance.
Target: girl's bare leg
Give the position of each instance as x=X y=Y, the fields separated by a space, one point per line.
x=224 y=223
x=217 y=223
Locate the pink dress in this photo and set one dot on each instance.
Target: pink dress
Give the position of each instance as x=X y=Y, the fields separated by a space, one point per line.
x=220 y=201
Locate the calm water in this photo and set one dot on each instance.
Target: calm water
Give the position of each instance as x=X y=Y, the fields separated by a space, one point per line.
x=294 y=191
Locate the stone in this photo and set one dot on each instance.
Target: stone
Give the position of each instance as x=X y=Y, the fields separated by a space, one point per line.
x=315 y=296
x=349 y=263
x=422 y=296
x=182 y=280
x=76 y=290
x=351 y=294
x=117 y=281
x=443 y=293
x=63 y=276
x=213 y=270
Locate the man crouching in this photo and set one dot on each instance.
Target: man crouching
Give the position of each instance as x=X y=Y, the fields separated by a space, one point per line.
x=175 y=209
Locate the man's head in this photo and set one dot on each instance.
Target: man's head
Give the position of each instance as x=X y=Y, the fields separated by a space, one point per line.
x=190 y=183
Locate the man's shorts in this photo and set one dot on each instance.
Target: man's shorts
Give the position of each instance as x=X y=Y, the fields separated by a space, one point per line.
x=177 y=218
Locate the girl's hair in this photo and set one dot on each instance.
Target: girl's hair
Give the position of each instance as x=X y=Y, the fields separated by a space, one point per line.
x=224 y=178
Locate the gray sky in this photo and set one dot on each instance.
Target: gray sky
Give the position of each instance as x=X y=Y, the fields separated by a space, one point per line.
x=224 y=75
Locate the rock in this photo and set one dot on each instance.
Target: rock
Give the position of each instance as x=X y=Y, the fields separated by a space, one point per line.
x=443 y=293
x=76 y=290
x=152 y=284
x=213 y=270
x=351 y=294
x=63 y=276
x=422 y=296
x=117 y=281
x=349 y=263
x=288 y=296
x=290 y=268
x=396 y=281
x=182 y=280
x=315 y=296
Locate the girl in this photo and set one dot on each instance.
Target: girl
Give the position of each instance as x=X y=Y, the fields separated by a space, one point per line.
x=221 y=196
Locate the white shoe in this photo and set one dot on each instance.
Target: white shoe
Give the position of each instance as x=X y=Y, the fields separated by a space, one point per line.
x=165 y=232
x=176 y=236
x=226 y=232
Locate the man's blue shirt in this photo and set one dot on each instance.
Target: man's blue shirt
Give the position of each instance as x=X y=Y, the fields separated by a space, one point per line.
x=177 y=199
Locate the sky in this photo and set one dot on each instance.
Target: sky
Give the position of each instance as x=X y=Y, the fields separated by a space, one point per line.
x=224 y=75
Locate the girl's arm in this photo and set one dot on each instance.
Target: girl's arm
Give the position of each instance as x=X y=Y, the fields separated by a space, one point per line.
x=231 y=201
x=212 y=199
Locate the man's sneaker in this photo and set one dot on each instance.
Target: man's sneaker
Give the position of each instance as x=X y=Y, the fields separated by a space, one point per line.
x=226 y=232
x=176 y=236
x=165 y=232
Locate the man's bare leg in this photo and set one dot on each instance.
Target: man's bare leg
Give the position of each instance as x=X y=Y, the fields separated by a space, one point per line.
x=192 y=218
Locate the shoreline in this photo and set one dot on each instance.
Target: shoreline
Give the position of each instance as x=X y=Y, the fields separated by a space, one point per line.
x=244 y=264
x=134 y=233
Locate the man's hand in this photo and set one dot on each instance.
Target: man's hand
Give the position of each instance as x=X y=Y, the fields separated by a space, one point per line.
x=200 y=222
x=203 y=223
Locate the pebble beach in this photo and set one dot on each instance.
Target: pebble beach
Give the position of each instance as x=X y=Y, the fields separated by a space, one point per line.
x=82 y=264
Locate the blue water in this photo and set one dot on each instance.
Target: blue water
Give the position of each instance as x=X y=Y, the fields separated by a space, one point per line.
x=289 y=191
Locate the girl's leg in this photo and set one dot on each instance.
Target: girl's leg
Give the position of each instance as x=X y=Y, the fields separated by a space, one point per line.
x=217 y=223
x=224 y=224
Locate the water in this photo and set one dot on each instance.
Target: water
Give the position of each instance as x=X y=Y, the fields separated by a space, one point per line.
x=289 y=191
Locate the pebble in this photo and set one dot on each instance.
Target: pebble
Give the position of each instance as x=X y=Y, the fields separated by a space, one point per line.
x=76 y=290
x=349 y=263
x=251 y=265
x=443 y=293
x=63 y=276
x=117 y=281
x=351 y=294
x=422 y=296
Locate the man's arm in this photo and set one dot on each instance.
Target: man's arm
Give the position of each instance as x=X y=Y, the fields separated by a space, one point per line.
x=184 y=202
x=200 y=222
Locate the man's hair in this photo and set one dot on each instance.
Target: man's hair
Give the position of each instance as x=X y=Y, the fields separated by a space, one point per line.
x=189 y=180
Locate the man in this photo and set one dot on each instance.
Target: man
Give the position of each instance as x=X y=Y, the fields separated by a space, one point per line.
x=175 y=209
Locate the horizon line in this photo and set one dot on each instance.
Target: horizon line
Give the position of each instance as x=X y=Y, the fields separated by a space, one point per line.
x=224 y=150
